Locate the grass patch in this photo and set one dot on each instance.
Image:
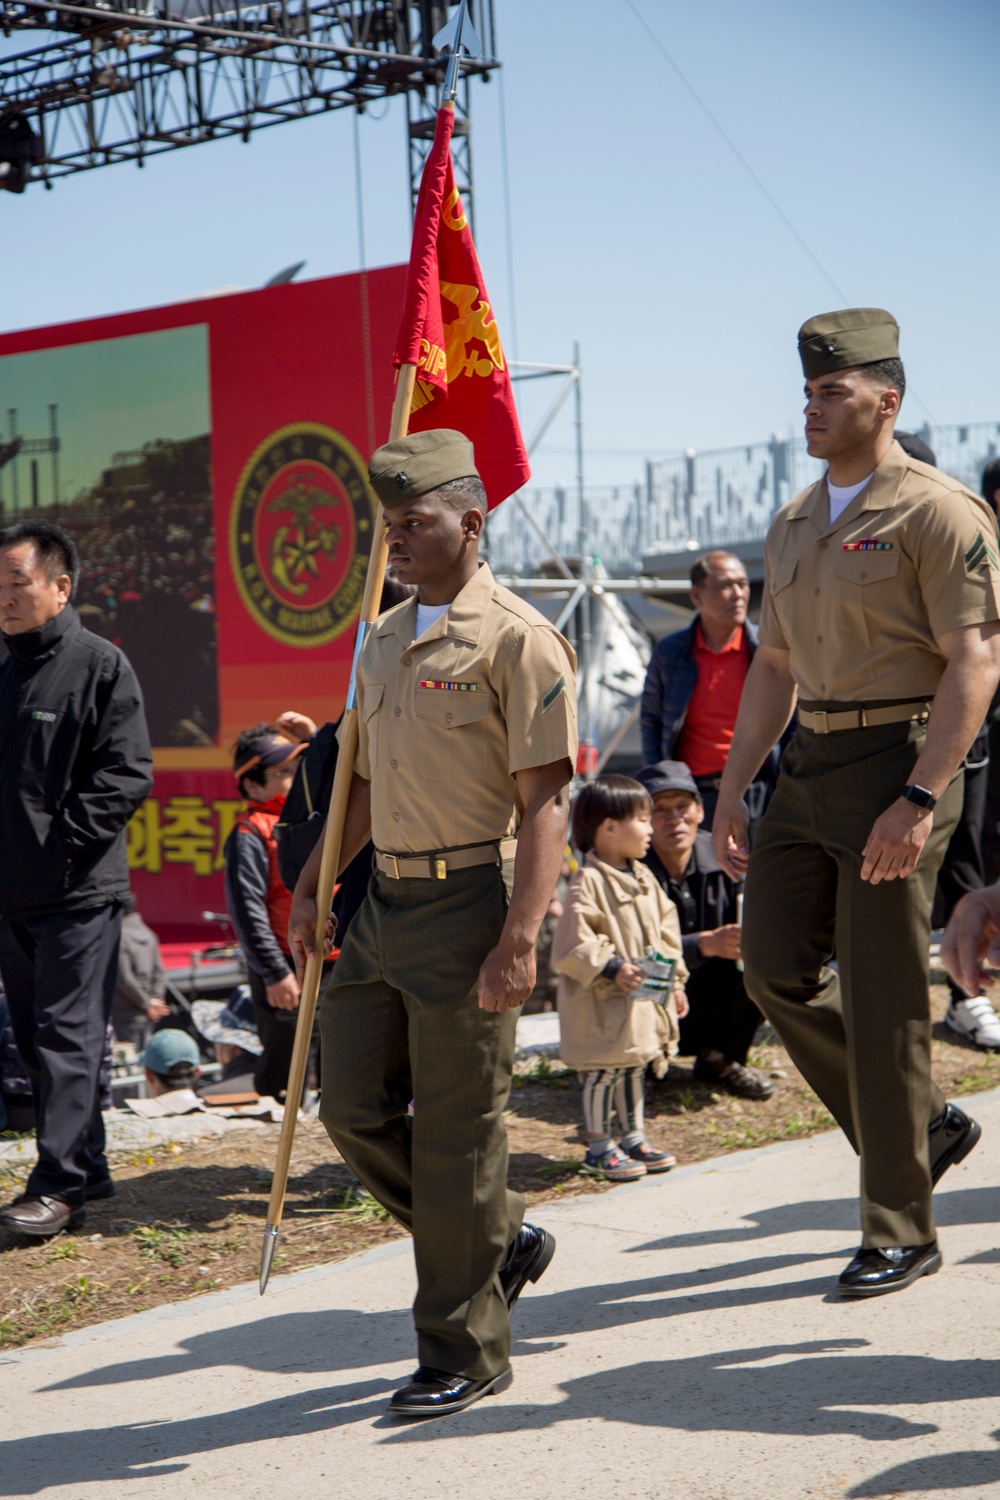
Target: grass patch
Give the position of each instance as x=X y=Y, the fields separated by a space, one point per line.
x=164 y=1242
x=45 y=1317
x=540 y=1069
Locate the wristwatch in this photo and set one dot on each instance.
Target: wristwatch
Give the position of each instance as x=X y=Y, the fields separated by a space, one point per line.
x=920 y=797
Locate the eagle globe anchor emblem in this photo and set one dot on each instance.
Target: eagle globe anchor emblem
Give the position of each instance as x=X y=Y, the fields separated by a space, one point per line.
x=297 y=547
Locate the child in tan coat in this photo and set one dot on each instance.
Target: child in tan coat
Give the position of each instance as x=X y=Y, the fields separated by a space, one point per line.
x=615 y=911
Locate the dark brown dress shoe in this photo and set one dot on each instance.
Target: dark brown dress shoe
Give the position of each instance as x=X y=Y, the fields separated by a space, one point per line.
x=873 y=1271
x=734 y=1077
x=435 y=1393
x=41 y=1216
x=950 y=1138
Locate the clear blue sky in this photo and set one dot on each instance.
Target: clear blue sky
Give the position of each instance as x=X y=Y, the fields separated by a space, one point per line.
x=635 y=230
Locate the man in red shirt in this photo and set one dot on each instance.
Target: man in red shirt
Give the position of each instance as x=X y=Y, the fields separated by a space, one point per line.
x=695 y=679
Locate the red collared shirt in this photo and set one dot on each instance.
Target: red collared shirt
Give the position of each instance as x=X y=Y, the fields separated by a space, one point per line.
x=707 y=734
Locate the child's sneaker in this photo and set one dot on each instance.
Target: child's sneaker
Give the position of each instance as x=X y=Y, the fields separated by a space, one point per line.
x=652 y=1160
x=613 y=1165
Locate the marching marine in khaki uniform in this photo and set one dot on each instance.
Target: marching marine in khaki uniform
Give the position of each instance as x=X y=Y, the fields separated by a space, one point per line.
x=467 y=717
x=880 y=612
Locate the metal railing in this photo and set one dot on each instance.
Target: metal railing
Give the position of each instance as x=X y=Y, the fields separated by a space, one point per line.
x=695 y=500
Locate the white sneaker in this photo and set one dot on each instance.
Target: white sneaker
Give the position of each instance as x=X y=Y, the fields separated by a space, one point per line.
x=975 y=1019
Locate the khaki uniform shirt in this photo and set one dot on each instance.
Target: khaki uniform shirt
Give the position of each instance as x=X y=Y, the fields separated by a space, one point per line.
x=444 y=722
x=860 y=603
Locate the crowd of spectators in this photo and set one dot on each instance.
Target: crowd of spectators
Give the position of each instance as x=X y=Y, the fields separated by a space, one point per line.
x=148 y=564
x=146 y=530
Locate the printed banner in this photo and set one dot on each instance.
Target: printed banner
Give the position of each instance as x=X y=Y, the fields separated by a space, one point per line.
x=210 y=459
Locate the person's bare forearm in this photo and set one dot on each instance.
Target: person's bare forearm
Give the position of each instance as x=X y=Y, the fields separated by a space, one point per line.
x=541 y=844
x=961 y=703
x=765 y=709
x=963 y=695
x=507 y=976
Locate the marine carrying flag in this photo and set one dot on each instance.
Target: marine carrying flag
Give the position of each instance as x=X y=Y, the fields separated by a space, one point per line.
x=448 y=331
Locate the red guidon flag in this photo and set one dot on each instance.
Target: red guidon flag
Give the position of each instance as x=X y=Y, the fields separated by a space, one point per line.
x=449 y=332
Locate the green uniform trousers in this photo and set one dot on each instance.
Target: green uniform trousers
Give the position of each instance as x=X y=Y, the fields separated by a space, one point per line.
x=862 y=1040
x=399 y=1022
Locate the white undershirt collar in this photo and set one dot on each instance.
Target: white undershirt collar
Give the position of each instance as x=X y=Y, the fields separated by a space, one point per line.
x=427 y=614
x=842 y=495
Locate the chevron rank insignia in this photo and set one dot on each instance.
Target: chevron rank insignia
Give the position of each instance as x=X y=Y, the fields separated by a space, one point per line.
x=559 y=686
x=981 y=556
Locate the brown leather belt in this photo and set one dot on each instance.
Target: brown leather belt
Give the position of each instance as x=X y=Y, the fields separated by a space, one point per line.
x=827 y=721
x=437 y=864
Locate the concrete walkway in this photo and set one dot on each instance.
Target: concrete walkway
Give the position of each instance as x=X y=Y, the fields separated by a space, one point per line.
x=684 y=1343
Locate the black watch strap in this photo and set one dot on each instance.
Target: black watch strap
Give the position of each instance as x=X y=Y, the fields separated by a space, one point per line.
x=920 y=797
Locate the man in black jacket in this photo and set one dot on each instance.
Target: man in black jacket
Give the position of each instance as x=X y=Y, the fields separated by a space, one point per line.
x=720 y=1024
x=75 y=763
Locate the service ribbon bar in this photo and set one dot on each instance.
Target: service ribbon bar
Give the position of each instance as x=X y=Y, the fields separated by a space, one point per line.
x=868 y=544
x=453 y=687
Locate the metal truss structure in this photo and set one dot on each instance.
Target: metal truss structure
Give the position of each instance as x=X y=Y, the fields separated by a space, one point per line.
x=124 y=80
x=18 y=446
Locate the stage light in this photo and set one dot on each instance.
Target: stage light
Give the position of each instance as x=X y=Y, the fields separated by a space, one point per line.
x=20 y=150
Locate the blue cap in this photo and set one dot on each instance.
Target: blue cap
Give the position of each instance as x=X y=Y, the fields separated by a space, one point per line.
x=165 y=1049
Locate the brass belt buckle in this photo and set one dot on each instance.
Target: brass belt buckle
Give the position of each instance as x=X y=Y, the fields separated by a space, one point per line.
x=393 y=874
x=440 y=869
x=821 y=726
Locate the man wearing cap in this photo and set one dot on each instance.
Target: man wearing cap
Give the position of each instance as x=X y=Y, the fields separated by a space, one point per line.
x=721 y=1019
x=232 y=1030
x=171 y=1061
x=259 y=905
x=880 y=611
x=467 y=723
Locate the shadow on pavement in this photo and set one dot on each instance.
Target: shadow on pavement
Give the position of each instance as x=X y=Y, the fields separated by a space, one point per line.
x=940 y=1471
x=811 y=1389
x=807 y=1389
x=962 y=1206
x=338 y=1339
x=313 y=1343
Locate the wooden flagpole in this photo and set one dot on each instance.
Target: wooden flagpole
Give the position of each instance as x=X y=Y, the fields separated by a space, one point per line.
x=333 y=836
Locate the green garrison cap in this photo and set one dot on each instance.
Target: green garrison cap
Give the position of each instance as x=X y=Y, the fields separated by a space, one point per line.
x=410 y=466
x=841 y=340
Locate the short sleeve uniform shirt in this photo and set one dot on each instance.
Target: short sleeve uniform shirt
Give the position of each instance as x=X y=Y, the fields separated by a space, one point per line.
x=445 y=722
x=860 y=603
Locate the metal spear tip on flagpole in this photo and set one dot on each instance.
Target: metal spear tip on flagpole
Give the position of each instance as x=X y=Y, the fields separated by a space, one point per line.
x=267 y=1254
x=452 y=39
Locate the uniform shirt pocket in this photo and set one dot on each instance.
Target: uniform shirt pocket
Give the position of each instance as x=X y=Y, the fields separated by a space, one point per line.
x=866 y=568
x=371 y=701
x=451 y=733
x=782 y=578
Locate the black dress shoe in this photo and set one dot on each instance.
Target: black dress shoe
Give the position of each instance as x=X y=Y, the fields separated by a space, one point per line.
x=435 y=1393
x=872 y=1272
x=527 y=1257
x=41 y=1216
x=104 y=1187
x=950 y=1138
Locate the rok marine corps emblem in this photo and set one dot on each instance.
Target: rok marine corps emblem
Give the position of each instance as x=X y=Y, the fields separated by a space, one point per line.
x=299 y=534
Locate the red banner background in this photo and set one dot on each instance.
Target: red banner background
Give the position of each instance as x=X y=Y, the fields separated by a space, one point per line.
x=299 y=397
